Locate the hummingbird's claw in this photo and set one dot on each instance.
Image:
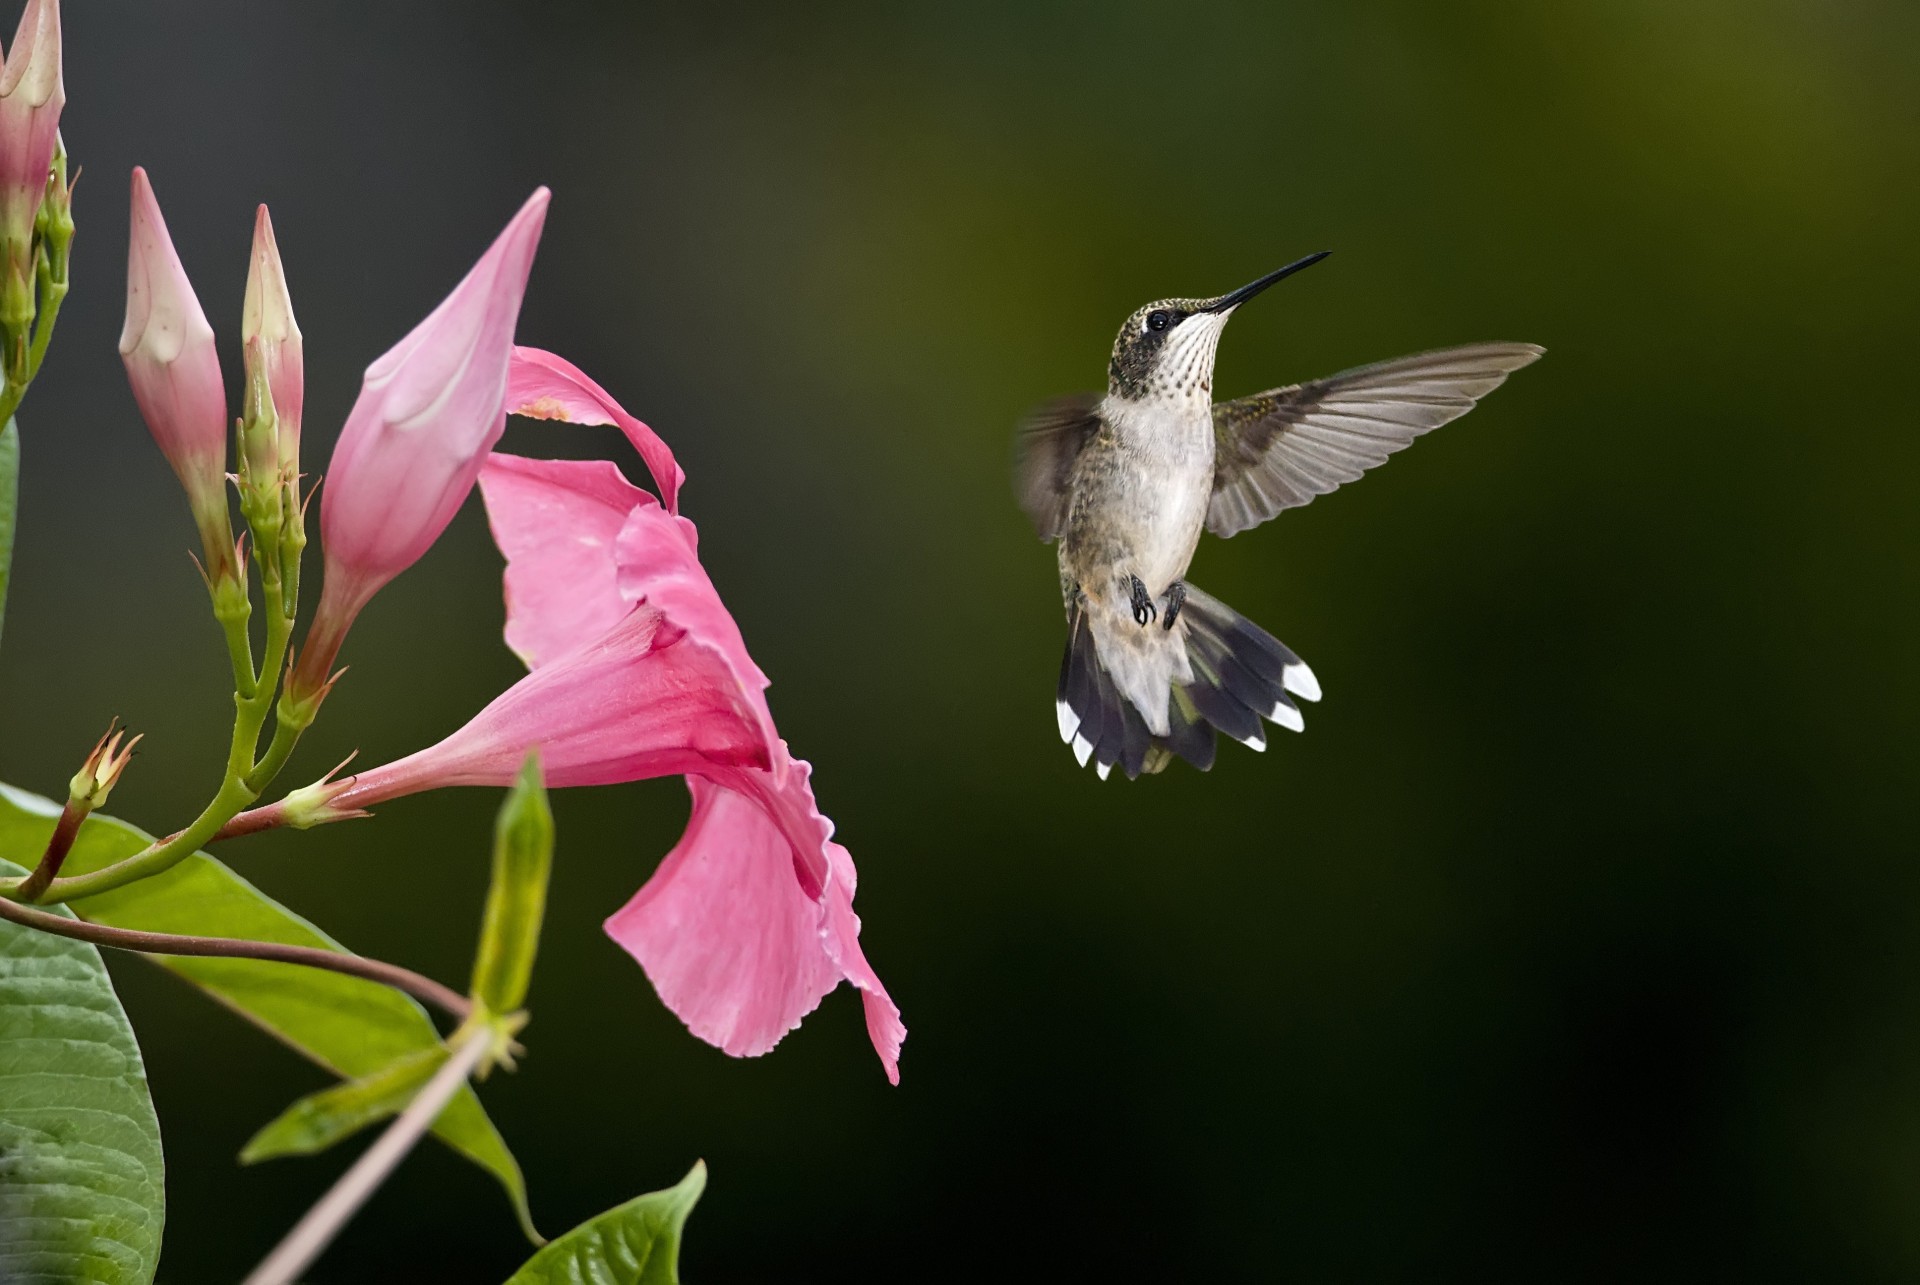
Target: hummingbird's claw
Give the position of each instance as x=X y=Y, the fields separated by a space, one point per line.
x=1143 y=609
x=1176 y=599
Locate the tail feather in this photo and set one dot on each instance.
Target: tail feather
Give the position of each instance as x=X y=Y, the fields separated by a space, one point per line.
x=1241 y=675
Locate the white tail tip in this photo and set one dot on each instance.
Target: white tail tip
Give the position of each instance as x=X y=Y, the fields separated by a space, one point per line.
x=1299 y=680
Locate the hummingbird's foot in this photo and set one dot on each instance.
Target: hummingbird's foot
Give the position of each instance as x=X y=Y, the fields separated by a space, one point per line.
x=1143 y=608
x=1176 y=599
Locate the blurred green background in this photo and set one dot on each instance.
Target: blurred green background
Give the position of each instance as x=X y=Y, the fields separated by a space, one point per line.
x=1577 y=938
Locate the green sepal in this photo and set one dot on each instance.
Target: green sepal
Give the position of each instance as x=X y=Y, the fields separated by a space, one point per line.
x=321 y=1119
x=637 y=1243
x=517 y=896
x=82 y=1181
x=9 y=505
x=347 y=1025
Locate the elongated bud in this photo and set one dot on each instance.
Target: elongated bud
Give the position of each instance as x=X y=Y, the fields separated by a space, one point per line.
x=168 y=349
x=429 y=412
x=517 y=897
x=272 y=340
x=32 y=92
x=262 y=481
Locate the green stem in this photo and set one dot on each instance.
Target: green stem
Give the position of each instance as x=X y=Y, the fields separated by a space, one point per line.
x=9 y=504
x=157 y=857
x=246 y=683
x=52 y=295
x=149 y=943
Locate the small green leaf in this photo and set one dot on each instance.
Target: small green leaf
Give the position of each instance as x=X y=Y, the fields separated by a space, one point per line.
x=321 y=1119
x=637 y=1243
x=349 y=1026
x=9 y=505
x=82 y=1183
x=517 y=896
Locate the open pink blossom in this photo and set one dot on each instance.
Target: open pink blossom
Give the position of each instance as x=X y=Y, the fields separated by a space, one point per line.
x=638 y=670
x=32 y=93
x=428 y=413
x=168 y=349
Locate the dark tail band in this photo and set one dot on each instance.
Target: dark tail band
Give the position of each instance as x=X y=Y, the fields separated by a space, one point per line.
x=1241 y=675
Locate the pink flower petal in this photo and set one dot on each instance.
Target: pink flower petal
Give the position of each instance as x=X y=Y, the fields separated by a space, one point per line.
x=734 y=947
x=543 y=386
x=557 y=522
x=658 y=566
x=841 y=938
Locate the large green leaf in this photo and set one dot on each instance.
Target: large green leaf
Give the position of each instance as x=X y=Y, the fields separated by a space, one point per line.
x=82 y=1190
x=637 y=1243
x=349 y=1026
x=9 y=504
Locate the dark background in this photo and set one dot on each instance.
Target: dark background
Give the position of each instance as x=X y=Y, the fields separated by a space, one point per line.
x=1577 y=938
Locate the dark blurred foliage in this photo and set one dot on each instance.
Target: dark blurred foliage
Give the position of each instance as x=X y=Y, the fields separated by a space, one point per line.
x=1576 y=939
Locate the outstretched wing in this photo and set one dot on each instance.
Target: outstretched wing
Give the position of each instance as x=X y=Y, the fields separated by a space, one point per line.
x=1278 y=449
x=1044 y=450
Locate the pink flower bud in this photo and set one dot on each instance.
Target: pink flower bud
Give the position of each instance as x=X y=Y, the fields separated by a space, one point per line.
x=272 y=337
x=31 y=96
x=428 y=413
x=168 y=349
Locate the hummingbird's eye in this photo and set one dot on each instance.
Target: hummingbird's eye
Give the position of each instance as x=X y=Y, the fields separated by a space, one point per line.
x=1159 y=320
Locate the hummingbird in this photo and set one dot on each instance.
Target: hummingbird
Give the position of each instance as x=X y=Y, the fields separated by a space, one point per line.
x=1127 y=481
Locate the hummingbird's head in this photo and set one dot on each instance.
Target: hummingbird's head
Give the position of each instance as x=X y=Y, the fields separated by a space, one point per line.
x=1165 y=350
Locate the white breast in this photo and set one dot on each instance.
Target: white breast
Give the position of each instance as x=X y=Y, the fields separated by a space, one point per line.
x=1172 y=451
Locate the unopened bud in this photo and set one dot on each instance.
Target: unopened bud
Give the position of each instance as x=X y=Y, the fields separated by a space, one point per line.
x=168 y=349
x=272 y=340
x=90 y=786
x=31 y=95
x=517 y=896
x=261 y=480
x=54 y=224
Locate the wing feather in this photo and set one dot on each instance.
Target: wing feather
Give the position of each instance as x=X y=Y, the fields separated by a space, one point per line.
x=1279 y=449
x=1044 y=449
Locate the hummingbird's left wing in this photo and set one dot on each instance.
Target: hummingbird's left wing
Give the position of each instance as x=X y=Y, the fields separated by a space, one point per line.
x=1044 y=450
x=1278 y=449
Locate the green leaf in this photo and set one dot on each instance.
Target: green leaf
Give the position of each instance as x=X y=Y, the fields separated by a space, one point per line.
x=9 y=505
x=349 y=1026
x=517 y=894
x=82 y=1183
x=637 y=1243
x=321 y=1119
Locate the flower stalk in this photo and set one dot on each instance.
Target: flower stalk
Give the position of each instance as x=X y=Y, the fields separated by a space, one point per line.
x=418 y=985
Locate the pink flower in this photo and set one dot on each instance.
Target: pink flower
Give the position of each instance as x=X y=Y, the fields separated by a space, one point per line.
x=167 y=346
x=638 y=670
x=428 y=413
x=32 y=93
x=271 y=337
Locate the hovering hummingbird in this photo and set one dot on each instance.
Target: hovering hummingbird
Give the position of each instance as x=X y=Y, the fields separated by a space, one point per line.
x=1126 y=482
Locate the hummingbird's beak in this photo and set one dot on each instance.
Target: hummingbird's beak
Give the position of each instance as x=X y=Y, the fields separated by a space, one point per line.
x=1228 y=302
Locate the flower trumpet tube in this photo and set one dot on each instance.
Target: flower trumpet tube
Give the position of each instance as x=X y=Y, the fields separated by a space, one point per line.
x=638 y=670
x=168 y=349
x=428 y=413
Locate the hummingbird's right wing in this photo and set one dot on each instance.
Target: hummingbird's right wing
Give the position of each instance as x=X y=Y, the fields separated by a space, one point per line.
x=1278 y=449
x=1044 y=450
